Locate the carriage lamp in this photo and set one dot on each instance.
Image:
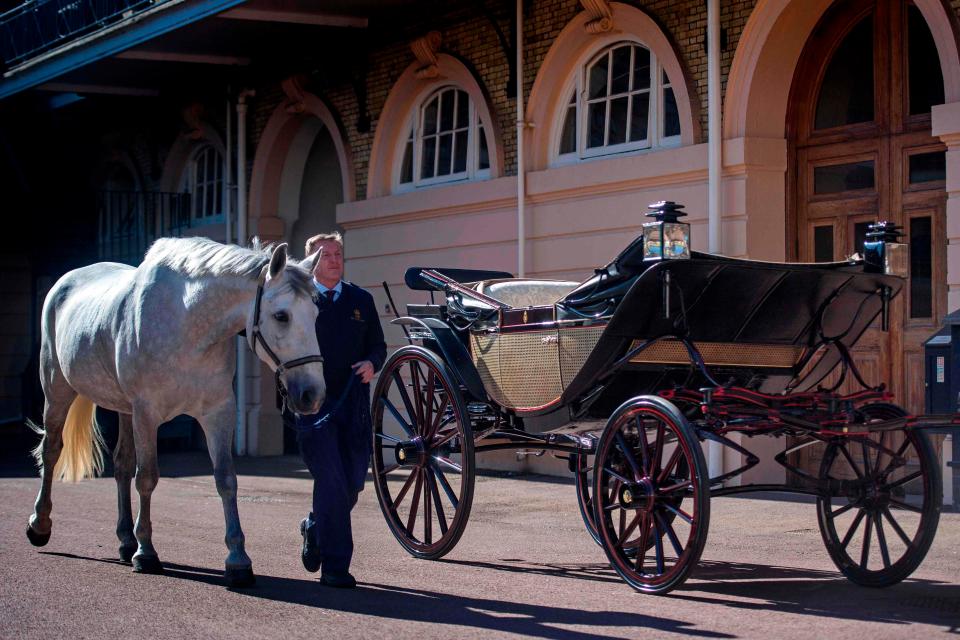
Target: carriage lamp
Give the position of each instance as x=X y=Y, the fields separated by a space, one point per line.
x=666 y=238
x=882 y=250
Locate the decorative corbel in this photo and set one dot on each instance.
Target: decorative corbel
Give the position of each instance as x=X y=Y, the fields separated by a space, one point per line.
x=193 y=117
x=295 y=89
x=425 y=51
x=601 y=16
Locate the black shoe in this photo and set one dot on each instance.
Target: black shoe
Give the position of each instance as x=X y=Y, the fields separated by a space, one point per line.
x=309 y=553
x=338 y=580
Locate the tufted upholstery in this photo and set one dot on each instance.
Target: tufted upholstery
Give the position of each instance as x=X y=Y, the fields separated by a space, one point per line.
x=526 y=293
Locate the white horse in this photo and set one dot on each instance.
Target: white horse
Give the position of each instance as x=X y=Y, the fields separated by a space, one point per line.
x=157 y=341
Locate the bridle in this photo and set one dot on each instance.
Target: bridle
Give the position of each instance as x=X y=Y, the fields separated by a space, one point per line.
x=256 y=338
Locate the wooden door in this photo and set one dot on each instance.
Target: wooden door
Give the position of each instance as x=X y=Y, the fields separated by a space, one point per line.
x=861 y=150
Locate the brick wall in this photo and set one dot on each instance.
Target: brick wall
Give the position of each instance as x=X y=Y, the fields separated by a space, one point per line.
x=473 y=39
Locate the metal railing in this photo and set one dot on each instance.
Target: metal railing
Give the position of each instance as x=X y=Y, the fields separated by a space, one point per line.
x=129 y=221
x=40 y=25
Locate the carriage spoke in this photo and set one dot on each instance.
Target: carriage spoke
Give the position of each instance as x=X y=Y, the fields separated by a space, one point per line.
x=905 y=479
x=612 y=495
x=427 y=510
x=852 y=529
x=674 y=540
x=644 y=448
x=880 y=450
x=428 y=407
x=865 y=550
x=671 y=463
x=415 y=503
x=441 y=519
x=657 y=451
x=686 y=484
x=396 y=414
x=623 y=525
x=389 y=469
x=402 y=389
x=658 y=544
x=896 y=526
x=628 y=455
x=384 y=436
x=417 y=392
x=906 y=506
x=616 y=475
x=448 y=463
x=853 y=465
x=644 y=540
x=404 y=489
x=441 y=439
x=680 y=513
x=894 y=458
x=633 y=525
x=447 y=489
x=843 y=509
x=439 y=419
x=881 y=540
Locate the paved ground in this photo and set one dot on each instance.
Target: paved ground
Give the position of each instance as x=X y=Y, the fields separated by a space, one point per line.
x=525 y=567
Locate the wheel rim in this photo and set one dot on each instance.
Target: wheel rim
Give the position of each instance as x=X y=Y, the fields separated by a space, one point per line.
x=877 y=529
x=647 y=499
x=421 y=472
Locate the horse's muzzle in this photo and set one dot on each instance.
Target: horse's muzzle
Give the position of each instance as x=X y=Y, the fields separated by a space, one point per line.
x=304 y=397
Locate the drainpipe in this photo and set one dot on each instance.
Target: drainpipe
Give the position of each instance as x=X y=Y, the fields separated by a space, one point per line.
x=521 y=175
x=714 y=149
x=240 y=441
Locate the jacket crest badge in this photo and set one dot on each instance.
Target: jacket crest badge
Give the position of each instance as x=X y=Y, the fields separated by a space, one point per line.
x=357 y=316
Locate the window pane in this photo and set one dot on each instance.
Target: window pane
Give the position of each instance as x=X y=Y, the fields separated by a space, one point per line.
x=406 y=169
x=463 y=110
x=823 y=243
x=618 y=121
x=430 y=118
x=921 y=286
x=641 y=68
x=484 y=160
x=568 y=136
x=620 y=78
x=598 y=78
x=446 y=153
x=859 y=236
x=429 y=153
x=928 y=167
x=638 y=118
x=597 y=116
x=846 y=95
x=446 y=110
x=671 y=116
x=460 y=153
x=843 y=177
x=926 y=78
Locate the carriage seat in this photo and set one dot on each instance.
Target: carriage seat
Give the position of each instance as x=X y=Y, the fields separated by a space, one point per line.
x=519 y=293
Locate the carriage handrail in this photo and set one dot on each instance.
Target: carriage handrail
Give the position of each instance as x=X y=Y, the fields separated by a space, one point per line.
x=438 y=279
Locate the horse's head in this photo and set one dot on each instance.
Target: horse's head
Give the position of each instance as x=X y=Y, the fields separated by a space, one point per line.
x=286 y=325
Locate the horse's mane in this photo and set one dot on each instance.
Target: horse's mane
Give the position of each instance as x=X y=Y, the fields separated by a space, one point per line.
x=196 y=257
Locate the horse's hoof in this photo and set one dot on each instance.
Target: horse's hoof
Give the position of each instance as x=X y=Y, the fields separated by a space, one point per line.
x=127 y=551
x=147 y=564
x=239 y=578
x=37 y=539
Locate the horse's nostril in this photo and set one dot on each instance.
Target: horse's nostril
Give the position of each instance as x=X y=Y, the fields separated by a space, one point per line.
x=307 y=396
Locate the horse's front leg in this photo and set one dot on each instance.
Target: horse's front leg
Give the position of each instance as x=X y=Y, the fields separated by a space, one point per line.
x=145 y=426
x=218 y=427
x=124 y=465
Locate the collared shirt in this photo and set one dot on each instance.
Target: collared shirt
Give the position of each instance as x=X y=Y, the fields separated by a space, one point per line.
x=337 y=290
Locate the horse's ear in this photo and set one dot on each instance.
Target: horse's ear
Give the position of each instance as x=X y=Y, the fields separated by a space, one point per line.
x=278 y=260
x=310 y=262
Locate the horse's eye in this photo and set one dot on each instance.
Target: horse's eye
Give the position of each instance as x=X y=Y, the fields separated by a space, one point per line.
x=281 y=316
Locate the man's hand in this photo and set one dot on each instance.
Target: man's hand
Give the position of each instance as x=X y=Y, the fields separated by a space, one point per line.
x=364 y=369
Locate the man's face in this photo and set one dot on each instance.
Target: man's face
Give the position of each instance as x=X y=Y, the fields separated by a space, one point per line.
x=329 y=267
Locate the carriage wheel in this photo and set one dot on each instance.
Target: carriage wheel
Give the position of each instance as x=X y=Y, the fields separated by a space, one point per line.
x=651 y=492
x=422 y=453
x=582 y=475
x=878 y=530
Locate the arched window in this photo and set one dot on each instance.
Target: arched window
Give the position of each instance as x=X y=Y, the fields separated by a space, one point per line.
x=203 y=181
x=446 y=142
x=621 y=100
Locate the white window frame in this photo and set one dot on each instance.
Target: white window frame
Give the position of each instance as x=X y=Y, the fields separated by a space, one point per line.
x=475 y=129
x=579 y=85
x=197 y=190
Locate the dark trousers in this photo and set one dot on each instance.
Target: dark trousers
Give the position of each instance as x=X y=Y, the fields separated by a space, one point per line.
x=337 y=456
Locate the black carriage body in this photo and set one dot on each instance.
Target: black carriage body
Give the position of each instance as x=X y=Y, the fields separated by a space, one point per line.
x=622 y=333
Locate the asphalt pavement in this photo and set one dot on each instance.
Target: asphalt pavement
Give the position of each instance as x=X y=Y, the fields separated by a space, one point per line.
x=524 y=568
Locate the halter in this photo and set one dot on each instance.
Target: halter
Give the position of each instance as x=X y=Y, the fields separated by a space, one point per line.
x=257 y=338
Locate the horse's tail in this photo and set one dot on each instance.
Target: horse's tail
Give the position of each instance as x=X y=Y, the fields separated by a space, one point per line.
x=83 y=446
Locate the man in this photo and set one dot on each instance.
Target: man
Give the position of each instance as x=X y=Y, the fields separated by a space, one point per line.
x=337 y=452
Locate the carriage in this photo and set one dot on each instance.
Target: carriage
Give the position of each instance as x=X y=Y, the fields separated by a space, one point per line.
x=668 y=348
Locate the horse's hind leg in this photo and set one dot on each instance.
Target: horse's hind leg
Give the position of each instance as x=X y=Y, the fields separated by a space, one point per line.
x=218 y=427
x=58 y=396
x=145 y=425
x=124 y=464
